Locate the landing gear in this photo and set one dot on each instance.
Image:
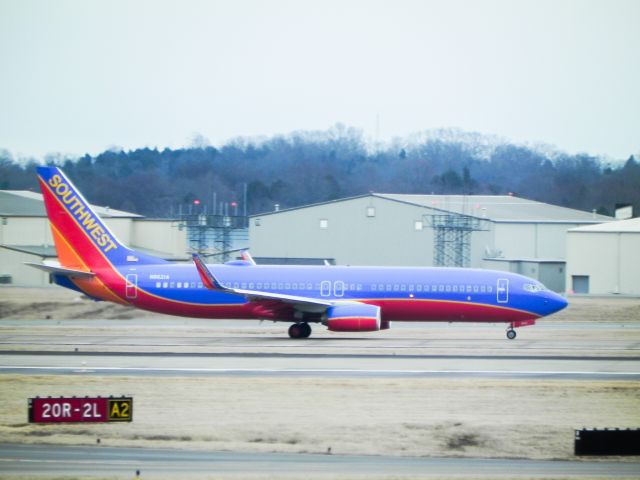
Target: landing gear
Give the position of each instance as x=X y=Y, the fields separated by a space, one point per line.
x=300 y=330
x=511 y=333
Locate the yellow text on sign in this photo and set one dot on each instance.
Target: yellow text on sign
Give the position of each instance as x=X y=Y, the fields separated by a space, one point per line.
x=121 y=410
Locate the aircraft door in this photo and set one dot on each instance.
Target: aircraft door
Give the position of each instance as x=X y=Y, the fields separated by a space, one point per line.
x=325 y=288
x=131 y=289
x=502 y=290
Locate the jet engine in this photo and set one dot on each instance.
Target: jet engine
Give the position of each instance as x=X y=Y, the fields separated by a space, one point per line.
x=354 y=317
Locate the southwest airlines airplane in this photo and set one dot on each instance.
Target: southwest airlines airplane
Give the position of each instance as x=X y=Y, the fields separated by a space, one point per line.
x=344 y=299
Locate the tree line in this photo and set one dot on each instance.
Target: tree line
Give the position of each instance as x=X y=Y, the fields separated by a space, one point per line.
x=310 y=167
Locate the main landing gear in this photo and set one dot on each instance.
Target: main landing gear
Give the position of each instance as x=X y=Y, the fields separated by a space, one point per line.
x=300 y=330
x=511 y=333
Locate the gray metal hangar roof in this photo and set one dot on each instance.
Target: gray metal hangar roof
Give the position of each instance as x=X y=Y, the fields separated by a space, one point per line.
x=23 y=203
x=632 y=225
x=497 y=208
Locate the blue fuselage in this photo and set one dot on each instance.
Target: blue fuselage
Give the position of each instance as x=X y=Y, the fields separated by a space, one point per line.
x=411 y=294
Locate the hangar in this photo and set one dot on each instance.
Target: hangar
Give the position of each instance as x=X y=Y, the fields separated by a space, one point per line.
x=500 y=232
x=604 y=258
x=25 y=236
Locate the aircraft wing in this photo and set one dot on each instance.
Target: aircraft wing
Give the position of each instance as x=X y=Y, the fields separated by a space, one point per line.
x=65 y=272
x=211 y=282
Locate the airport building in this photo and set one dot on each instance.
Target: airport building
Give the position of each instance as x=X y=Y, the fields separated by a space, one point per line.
x=604 y=258
x=498 y=232
x=25 y=236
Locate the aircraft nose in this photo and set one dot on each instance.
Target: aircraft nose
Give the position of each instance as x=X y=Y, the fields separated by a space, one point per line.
x=554 y=302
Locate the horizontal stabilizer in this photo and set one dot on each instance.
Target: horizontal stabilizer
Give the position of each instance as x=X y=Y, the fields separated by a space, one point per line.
x=66 y=272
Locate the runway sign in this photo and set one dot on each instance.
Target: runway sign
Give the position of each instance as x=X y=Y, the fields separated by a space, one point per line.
x=607 y=442
x=80 y=410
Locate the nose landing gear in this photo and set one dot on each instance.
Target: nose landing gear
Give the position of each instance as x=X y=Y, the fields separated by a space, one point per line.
x=511 y=333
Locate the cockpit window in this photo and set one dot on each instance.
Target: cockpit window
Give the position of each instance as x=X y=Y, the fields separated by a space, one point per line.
x=533 y=287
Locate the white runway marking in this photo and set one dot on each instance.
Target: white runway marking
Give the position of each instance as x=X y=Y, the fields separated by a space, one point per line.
x=325 y=371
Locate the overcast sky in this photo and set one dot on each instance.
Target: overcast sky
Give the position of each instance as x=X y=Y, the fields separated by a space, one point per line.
x=83 y=76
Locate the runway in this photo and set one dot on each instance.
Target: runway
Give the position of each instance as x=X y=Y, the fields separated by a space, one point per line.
x=548 y=338
x=326 y=365
x=198 y=347
x=67 y=460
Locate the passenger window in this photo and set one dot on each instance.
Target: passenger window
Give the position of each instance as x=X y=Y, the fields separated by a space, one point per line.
x=418 y=288
x=158 y=284
x=448 y=288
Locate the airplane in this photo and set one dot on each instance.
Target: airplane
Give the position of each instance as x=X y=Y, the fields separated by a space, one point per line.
x=343 y=298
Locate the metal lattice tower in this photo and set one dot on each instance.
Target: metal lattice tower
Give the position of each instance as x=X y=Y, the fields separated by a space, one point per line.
x=452 y=238
x=215 y=234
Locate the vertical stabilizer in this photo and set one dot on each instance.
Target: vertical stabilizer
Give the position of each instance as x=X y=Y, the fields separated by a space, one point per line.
x=82 y=240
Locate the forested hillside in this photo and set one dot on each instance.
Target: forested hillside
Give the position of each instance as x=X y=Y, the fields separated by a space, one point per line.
x=309 y=167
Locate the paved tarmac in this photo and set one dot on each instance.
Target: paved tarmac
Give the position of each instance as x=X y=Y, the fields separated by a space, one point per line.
x=69 y=460
x=546 y=338
x=162 y=347
x=131 y=364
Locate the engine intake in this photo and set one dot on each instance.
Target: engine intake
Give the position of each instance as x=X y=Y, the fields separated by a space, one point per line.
x=353 y=318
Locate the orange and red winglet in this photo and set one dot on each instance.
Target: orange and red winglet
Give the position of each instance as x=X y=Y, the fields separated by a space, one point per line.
x=208 y=280
x=246 y=256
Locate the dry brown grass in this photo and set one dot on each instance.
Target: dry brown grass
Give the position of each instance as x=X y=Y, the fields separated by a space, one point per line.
x=371 y=416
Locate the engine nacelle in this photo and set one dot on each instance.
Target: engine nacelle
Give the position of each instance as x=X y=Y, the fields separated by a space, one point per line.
x=355 y=317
